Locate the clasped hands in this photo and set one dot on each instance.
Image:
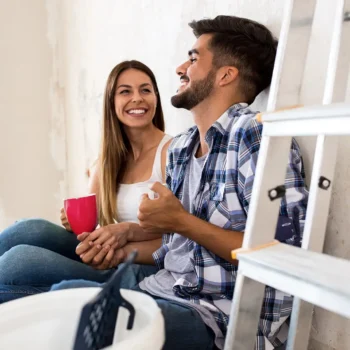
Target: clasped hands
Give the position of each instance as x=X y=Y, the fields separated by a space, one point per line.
x=105 y=247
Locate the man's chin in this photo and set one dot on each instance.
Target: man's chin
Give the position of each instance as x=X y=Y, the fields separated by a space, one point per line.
x=184 y=100
x=178 y=101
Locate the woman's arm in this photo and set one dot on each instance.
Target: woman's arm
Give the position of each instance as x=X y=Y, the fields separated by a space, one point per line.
x=94 y=174
x=164 y=158
x=105 y=260
x=114 y=236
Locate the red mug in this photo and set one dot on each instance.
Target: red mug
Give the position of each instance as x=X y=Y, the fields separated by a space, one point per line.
x=81 y=213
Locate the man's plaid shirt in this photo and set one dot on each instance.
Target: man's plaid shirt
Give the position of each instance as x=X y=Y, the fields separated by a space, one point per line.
x=223 y=200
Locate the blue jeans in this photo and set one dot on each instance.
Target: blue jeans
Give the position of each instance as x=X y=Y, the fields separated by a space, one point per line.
x=35 y=254
x=184 y=328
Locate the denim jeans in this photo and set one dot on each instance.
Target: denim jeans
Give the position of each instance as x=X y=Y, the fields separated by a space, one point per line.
x=184 y=328
x=35 y=254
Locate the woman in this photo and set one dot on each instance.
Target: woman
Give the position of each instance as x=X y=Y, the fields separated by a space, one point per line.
x=36 y=252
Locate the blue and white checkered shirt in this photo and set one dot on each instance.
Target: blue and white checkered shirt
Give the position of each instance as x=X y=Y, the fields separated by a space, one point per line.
x=223 y=199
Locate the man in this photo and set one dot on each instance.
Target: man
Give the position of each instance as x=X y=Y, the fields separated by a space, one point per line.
x=210 y=173
x=211 y=170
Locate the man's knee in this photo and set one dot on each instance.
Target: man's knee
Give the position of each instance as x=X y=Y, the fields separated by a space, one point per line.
x=184 y=327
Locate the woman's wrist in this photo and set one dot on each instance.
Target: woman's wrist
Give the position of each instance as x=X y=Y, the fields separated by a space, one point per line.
x=129 y=228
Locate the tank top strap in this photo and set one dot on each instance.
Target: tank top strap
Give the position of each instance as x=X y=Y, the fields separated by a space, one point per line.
x=157 y=173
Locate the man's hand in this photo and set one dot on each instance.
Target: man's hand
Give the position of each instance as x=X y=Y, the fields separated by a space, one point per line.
x=166 y=214
x=163 y=214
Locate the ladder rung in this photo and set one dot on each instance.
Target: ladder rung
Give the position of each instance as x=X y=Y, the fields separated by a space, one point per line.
x=335 y=110
x=320 y=279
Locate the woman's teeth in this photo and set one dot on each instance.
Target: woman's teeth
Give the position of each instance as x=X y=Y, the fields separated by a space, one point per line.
x=137 y=111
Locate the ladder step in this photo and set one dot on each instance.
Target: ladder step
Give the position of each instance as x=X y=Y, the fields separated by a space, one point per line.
x=334 y=110
x=320 y=279
x=332 y=119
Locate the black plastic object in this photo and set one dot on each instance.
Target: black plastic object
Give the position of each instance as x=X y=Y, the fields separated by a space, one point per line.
x=288 y=231
x=277 y=192
x=324 y=183
x=99 y=316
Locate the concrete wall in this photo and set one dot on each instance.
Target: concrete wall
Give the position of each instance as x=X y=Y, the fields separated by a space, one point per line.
x=55 y=58
x=31 y=134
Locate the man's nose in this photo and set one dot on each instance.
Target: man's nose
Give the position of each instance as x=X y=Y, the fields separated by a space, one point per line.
x=182 y=69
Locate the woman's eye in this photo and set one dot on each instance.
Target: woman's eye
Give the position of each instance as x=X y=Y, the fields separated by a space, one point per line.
x=193 y=60
x=124 y=92
x=147 y=91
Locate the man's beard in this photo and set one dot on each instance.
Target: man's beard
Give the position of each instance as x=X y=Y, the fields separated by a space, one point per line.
x=195 y=94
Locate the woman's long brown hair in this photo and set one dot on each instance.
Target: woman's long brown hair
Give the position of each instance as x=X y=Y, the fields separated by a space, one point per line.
x=115 y=145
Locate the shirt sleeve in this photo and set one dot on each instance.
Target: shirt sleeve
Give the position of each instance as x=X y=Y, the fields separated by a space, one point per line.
x=248 y=151
x=159 y=254
x=294 y=203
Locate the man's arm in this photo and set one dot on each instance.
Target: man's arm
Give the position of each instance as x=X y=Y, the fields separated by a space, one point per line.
x=113 y=257
x=144 y=250
x=215 y=239
x=95 y=245
x=138 y=234
x=167 y=213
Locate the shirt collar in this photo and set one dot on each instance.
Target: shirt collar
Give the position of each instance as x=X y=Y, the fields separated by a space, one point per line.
x=220 y=125
x=224 y=120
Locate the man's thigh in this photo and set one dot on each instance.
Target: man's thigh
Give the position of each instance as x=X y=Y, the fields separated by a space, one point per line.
x=184 y=328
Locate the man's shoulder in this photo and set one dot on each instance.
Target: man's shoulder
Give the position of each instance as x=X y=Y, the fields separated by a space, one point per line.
x=246 y=118
x=181 y=140
x=245 y=124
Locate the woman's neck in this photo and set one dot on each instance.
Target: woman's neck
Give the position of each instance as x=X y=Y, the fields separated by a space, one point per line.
x=142 y=140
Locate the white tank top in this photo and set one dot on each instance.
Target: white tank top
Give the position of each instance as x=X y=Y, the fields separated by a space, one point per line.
x=128 y=195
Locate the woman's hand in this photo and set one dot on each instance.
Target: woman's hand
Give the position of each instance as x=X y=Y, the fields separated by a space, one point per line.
x=113 y=236
x=108 y=260
x=64 y=220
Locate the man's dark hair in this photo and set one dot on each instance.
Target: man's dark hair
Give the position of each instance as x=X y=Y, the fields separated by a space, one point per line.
x=245 y=44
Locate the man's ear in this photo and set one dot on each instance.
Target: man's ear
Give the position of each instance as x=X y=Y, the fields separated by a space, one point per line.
x=227 y=75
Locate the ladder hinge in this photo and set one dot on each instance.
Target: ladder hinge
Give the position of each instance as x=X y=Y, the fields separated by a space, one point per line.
x=324 y=183
x=277 y=192
x=347 y=16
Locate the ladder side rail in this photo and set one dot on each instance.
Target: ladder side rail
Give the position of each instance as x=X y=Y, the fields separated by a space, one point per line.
x=324 y=166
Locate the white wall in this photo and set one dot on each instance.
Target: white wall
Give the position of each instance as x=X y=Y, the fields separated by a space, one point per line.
x=101 y=34
x=32 y=170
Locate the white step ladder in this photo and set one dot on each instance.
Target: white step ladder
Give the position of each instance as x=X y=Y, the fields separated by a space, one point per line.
x=313 y=278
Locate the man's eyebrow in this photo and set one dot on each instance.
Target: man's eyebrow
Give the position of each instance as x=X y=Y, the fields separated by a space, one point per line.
x=191 y=52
